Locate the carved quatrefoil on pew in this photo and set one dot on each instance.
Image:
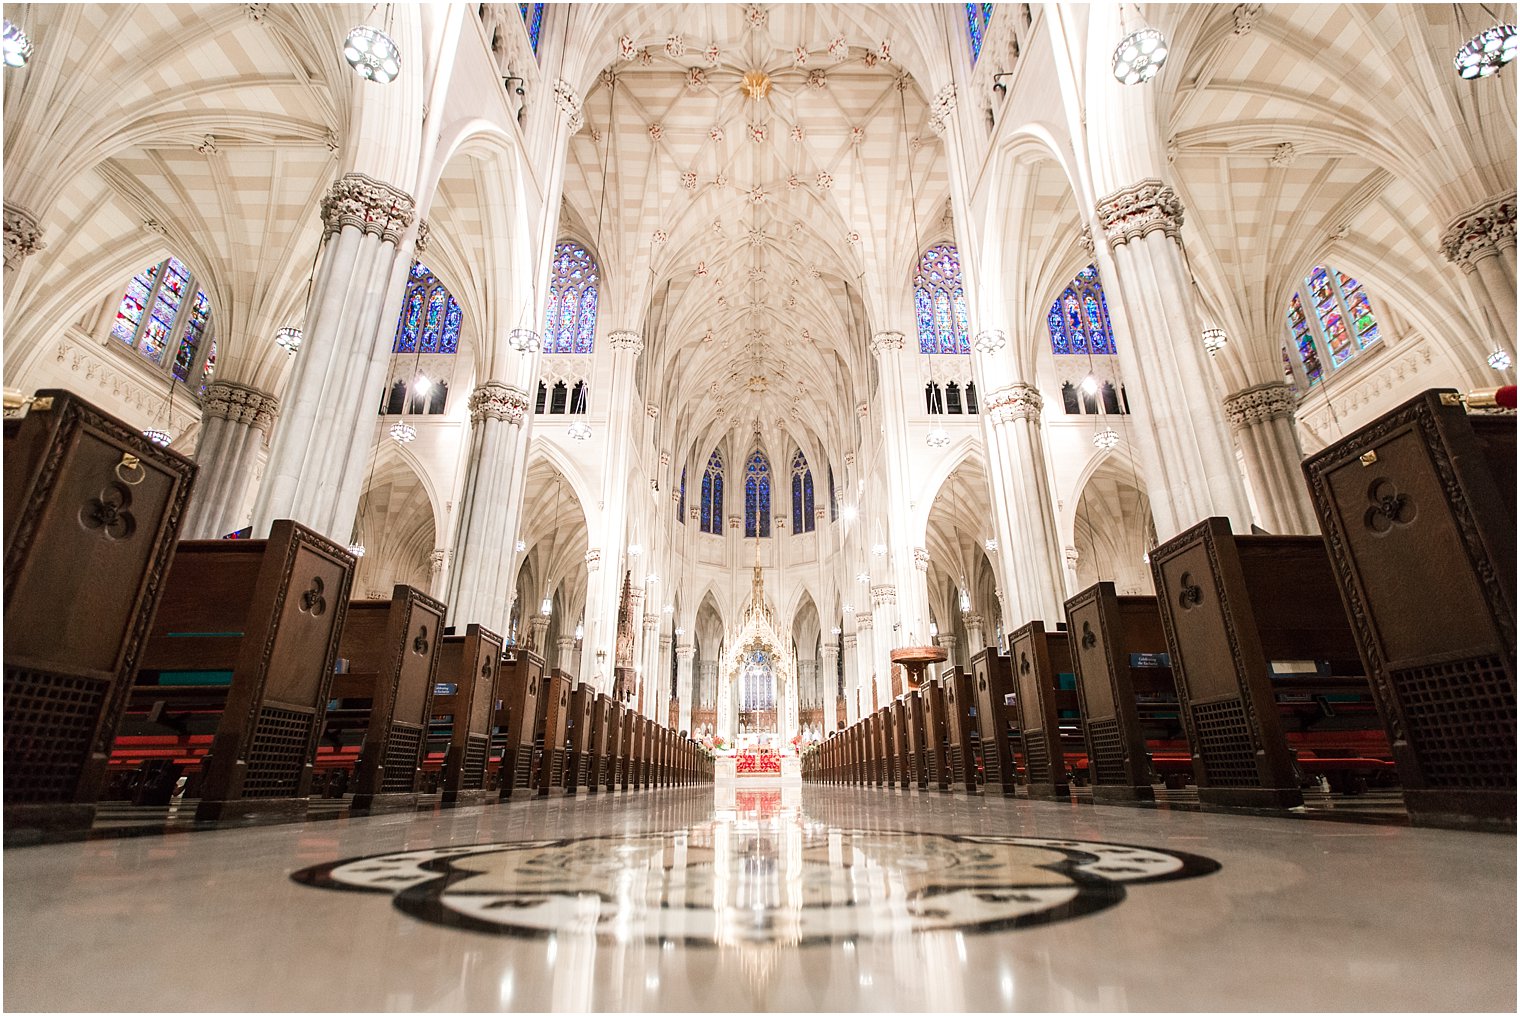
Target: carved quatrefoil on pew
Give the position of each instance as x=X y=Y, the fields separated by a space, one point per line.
x=1389 y=507
x=420 y=643
x=1192 y=593
x=312 y=601
x=1089 y=639
x=108 y=512
x=1023 y=663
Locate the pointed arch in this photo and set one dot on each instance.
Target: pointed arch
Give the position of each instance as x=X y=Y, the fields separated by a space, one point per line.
x=757 y=495
x=939 y=301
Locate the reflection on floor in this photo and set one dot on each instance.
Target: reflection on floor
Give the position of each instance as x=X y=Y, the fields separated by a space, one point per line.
x=814 y=899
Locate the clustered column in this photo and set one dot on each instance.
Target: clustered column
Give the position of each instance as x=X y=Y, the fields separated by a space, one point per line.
x=1262 y=416
x=235 y=421
x=1032 y=569
x=685 y=687
x=851 y=680
x=1482 y=243
x=828 y=682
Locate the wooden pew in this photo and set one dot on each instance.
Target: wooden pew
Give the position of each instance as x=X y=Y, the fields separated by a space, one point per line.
x=581 y=771
x=92 y=511
x=628 y=758
x=554 y=708
x=1120 y=655
x=960 y=718
x=936 y=748
x=1231 y=605
x=902 y=758
x=392 y=648
x=918 y=754
x=1038 y=657
x=885 y=731
x=993 y=684
x=1418 y=513
x=246 y=637
x=471 y=665
x=612 y=761
x=520 y=710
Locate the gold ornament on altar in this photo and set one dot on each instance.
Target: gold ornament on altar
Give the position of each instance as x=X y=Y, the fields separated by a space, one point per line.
x=756 y=85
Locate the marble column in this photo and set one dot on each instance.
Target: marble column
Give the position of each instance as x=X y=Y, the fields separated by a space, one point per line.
x=828 y=683
x=536 y=638
x=1184 y=449
x=685 y=686
x=23 y=237
x=1481 y=242
x=909 y=609
x=325 y=439
x=851 y=679
x=975 y=640
x=480 y=589
x=871 y=696
x=655 y=685
x=235 y=421
x=1028 y=540
x=946 y=642
x=565 y=656
x=1262 y=416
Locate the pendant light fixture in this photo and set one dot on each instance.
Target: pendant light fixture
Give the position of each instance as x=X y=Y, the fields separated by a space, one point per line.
x=1140 y=54
x=402 y=431
x=1499 y=359
x=372 y=53
x=1214 y=339
x=160 y=435
x=17 y=47
x=1482 y=56
x=288 y=338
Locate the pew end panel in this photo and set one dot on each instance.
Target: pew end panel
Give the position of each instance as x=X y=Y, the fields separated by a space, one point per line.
x=1038 y=658
x=993 y=675
x=471 y=662
x=1109 y=633
x=521 y=694
x=554 y=705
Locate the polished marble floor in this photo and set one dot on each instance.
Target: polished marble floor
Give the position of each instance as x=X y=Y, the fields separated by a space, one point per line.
x=816 y=899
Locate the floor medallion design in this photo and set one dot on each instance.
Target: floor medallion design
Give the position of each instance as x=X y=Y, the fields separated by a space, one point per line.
x=716 y=884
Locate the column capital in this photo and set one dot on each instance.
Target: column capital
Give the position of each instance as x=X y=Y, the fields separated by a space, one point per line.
x=1086 y=242
x=945 y=640
x=23 y=237
x=651 y=623
x=883 y=343
x=921 y=558
x=1260 y=403
x=863 y=622
x=566 y=643
x=593 y=559
x=371 y=205
x=970 y=620
x=1133 y=212
x=940 y=109
x=883 y=596
x=240 y=403
x=569 y=103
x=423 y=235
x=497 y=400
x=1018 y=401
x=849 y=642
x=685 y=652
x=435 y=560
x=734 y=521
x=1475 y=234
x=625 y=341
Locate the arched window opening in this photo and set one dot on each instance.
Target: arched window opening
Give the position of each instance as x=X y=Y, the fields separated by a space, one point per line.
x=1078 y=320
x=971 y=405
x=977 y=18
x=953 y=398
x=395 y=401
x=1069 y=398
x=1110 y=398
x=1341 y=324
x=430 y=317
x=712 y=495
x=934 y=398
x=681 y=500
x=166 y=318
x=558 y=397
x=757 y=496
x=940 y=302
x=570 y=322
x=803 y=519
x=533 y=21
x=578 y=398
x=543 y=398
x=1089 y=401
x=833 y=498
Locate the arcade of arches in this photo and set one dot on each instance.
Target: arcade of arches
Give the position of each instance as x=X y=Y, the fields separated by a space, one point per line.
x=715 y=351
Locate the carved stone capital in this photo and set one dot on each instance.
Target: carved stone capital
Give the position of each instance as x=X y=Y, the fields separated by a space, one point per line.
x=693 y=513
x=921 y=558
x=1472 y=236
x=1018 y=401
x=1245 y=18
x=569 y=104
x=240 y=403
x=863 y=621
x=593 y=559
x=1085 y=241
x=423 y=235
x=367 y=204
x=436 y=559
x=23 y=237
x=1133 y=212
x=970 y=620
x=685 y=652
x=883 y=596
x=849 y=642
x=497 y=400
x=651 y=623
x=1260 y=403
x=883 y=343
x=627 y=342
x=566 y=643
x=734 y=521
x=940 y=109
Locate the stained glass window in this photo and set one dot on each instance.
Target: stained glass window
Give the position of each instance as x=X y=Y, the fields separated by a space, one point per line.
x=940 y=302
x=166 y=318
x=1341 y=323
x=977 y=17
x=803 y=520
x=712 y=495
x=681 y=500
x=570 y=322
x=430 y=316
x=833 y=498
x=1078 y=320
x=533 y=21
x=757 y=496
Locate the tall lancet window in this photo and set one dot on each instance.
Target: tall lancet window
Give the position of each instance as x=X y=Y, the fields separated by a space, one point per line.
x=1329 y=320
x=166 y=318
x=533 y=21
x=430 y=317
x=1078 y=320
x=940 y=302
x=712 y=495
x=570 y=322
x=977 y=17
x=802 y=495
x=681 y=499
x=757 y=496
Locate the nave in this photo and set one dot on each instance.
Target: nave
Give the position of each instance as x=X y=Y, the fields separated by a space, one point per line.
x=810 y=899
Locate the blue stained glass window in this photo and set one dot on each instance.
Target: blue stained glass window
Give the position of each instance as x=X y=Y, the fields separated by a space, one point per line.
x=681 y=501
x=833 y=498
x=200 y=313
x=533 y=20
x=570 y=321
x=757 y=496
x=803 y=520
x=977 y=17
x=1341 y=325
x=712 y=495
x=130 y=314
x=1078 y=320
x=430 y=317
x=166 y=318
x=940 y=302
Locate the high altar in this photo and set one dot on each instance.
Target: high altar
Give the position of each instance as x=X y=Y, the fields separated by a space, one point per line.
x=757 y=700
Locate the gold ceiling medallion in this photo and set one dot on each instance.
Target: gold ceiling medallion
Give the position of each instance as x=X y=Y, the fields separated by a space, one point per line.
x=756 y=85
x=758 y=384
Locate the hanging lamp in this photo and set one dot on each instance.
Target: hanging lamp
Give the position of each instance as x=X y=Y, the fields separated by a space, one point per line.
x=372 y=53
x=160 y=435
x=17 y=47
x=1140 y=54
x=1482 y=56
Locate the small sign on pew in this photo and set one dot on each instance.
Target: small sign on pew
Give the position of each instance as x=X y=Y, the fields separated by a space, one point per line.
x=1143 y=661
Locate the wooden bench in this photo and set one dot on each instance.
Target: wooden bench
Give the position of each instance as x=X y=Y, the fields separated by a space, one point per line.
x=960 y=719
x=936 y=746
x=887 y=734
x=1230 y=605
x=628 y=761
x=1418 y=513
x=993 y=677
x=469 y=672
x=581 y=772
x=521 y=713
x=384 y=699
x=92 y=512
x=244 y=643
x=602 y=764
x=1039 y=657
x=553 y=725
